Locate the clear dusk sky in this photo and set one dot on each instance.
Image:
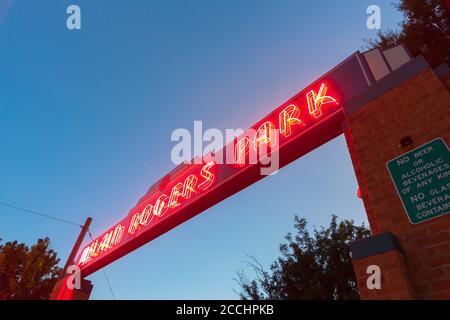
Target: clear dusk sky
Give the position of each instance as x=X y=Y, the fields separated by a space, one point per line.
x=86 y=118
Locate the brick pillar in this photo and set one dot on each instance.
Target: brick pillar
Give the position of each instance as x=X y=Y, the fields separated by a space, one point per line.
x=384 y=251
x=416 y=261
x=61 y=292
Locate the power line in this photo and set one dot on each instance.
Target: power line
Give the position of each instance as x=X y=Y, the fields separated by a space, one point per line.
x=44 y=215
x=104 y=273
x=109 y=284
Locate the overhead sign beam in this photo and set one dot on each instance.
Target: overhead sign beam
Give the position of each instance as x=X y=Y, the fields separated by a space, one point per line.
x=305 y=122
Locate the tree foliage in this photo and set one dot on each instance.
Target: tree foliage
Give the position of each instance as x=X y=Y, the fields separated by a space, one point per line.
x=316 y=266
x=27 y=273
x=425 y=30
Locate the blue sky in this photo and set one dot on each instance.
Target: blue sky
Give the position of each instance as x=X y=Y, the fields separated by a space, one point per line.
x=86 y=118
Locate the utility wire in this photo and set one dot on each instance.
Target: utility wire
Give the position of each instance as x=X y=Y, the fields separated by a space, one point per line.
x=44 y=215
x=109 y=285
x=104 y=273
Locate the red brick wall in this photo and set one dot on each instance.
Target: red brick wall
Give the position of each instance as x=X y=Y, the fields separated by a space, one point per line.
x=419 y=108
x=395 y=280
x=446 y=81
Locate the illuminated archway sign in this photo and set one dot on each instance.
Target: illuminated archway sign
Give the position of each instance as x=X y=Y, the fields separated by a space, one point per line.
x=306 y=121
x=179 y=198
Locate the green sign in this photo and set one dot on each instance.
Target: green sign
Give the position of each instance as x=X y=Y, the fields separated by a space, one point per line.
x=422 y=180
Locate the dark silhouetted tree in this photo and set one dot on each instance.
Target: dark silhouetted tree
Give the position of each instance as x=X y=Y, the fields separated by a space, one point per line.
x=316 y=266
x=27 y=273
x=425 y=30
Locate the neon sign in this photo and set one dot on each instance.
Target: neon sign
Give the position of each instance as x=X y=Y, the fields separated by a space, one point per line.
x=303 y=123
x=287 y=120
x=102 y=244
x=316 y=101
x=192 y=185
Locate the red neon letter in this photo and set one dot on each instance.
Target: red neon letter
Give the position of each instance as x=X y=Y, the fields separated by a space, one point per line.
x=134 y=224
x=289 y=117
x=104 y=244
x=175 y=193
x=240 y=150
x=207 y=175
x=146 y=215
x=85 y=256
x=315 y=102
x=94 y=247
x=263 y=134
x=189 y=186
x=117 y=235
x=161 y=207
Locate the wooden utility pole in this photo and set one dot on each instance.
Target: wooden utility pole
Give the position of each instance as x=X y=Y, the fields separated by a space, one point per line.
x=76 y=247
x=60 y=290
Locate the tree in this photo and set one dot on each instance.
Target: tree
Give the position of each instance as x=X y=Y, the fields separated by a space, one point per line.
x=310 y=267
x=425 y=30
x=27 y=273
